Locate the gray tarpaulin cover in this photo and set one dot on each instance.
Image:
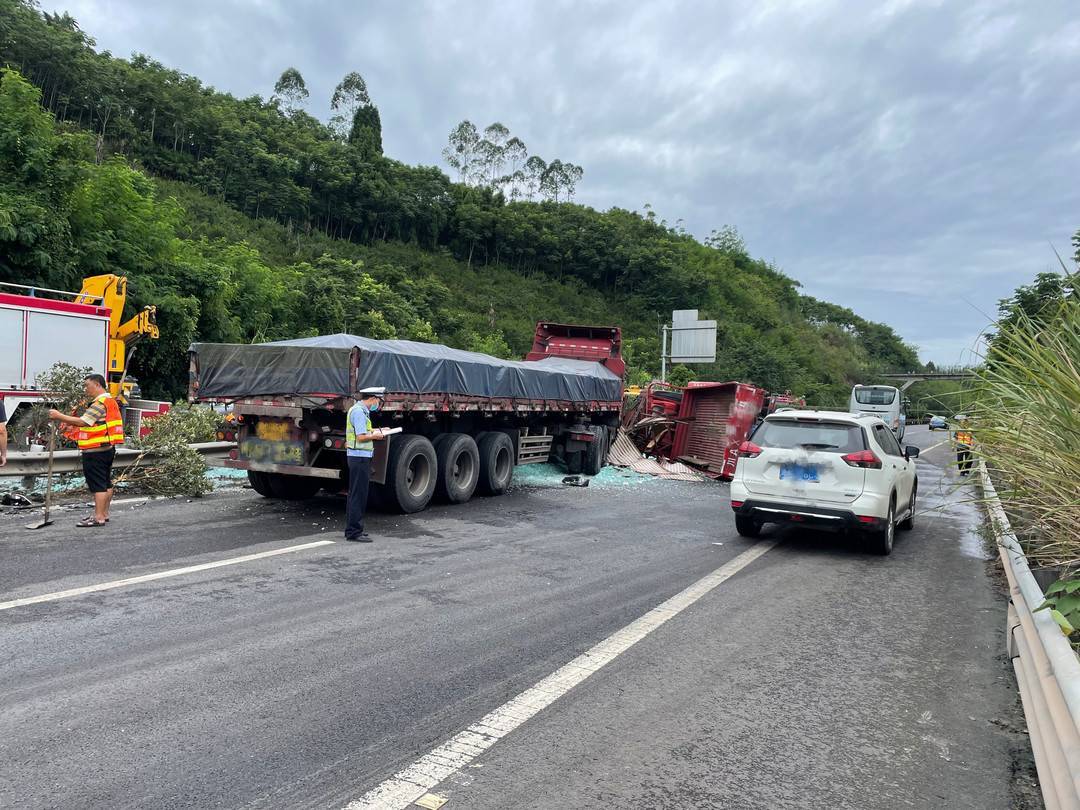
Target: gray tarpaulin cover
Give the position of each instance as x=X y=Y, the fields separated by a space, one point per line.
x=320 y=365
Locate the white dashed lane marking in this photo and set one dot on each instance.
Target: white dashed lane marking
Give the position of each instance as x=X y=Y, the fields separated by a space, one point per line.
x=174 y=572
x=417 y=780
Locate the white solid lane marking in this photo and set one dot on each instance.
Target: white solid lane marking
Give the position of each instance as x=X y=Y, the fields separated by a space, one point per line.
x=175 y=572
x=405 y=787
x=934 y=446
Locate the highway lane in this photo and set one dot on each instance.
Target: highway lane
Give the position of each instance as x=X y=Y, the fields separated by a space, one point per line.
x=298 y=679
x=306 y=678
x=828 y=679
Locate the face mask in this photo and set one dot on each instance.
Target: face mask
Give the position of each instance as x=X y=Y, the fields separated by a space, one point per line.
x=374 y=406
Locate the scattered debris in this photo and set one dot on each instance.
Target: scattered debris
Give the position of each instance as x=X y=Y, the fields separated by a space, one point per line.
x=624 y=453
x=576 y=481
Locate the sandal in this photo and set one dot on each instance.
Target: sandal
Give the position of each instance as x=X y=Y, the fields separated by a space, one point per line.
x=89 y=522
x=91 y=517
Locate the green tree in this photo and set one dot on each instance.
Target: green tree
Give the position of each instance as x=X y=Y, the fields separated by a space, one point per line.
x=461 y=152
x=680 y=375
x=349 y=96
x=291 y=90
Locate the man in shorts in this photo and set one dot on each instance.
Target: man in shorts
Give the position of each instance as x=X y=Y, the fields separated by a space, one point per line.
x=98 y=431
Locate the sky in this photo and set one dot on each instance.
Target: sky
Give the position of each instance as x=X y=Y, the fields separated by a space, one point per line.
x=914 y=160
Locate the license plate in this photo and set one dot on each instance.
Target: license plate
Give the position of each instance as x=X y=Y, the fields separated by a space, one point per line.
x=798 y=472
x=272 y=452
x=273 y=430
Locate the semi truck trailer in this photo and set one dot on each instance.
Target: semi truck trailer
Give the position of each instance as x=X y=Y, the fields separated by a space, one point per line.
x=467 y=419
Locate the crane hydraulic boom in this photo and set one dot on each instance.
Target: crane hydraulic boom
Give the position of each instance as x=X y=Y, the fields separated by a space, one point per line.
x=111 y=291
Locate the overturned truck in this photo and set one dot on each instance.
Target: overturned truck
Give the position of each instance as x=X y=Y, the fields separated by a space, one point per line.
x=467 y=419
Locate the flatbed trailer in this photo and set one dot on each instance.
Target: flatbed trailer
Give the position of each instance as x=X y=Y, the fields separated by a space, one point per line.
x=467 y=419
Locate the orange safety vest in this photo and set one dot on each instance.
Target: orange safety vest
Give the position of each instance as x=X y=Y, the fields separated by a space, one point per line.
x=964 y=437
x=110 y=431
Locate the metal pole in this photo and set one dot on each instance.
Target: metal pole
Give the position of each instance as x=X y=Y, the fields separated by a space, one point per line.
x=663 y=355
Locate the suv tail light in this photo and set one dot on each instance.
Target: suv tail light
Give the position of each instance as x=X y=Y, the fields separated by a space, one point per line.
x=864 y=458
x=749 y=450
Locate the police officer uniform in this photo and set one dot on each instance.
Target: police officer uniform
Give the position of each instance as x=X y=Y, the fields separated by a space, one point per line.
x=359 y=453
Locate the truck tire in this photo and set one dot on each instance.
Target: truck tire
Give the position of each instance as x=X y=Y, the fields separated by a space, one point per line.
x=496 y=463
x=593 y=458
x=410 y=473
x=459 y=467
x=260 y=483
x=293 y=487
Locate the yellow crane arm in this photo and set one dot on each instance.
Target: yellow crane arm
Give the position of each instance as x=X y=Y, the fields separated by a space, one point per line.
x=111 y=291
x=142 y=325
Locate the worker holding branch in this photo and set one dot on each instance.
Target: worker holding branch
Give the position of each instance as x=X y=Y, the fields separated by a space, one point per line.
x=98 y=431
x=360 y=438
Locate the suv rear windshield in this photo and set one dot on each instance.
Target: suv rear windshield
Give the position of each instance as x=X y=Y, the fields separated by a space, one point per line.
x=831 y=437
x=875 y=396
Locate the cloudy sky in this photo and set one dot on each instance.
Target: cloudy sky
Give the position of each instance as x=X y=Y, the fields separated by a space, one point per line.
x=912 y=159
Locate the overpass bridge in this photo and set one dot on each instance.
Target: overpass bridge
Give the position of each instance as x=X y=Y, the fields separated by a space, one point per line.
x=911 y=377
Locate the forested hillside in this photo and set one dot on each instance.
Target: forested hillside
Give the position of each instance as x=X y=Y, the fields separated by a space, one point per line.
x=249 y=219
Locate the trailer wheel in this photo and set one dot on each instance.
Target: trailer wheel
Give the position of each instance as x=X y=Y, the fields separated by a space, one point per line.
x=260 y=483
x=496 y=463
x=293 y=487
x=595 y=453
x=410 y=473
x=459 y=467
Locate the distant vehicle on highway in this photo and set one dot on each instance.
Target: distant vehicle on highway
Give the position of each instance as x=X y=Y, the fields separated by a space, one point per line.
x=826 y=469
x=883 y=401
x=938 y=423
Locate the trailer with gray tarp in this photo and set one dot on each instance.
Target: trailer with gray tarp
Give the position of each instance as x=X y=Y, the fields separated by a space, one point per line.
x=466 y=418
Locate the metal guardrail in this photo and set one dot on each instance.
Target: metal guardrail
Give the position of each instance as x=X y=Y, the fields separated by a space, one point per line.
x=1047 y=669
x=68 y=461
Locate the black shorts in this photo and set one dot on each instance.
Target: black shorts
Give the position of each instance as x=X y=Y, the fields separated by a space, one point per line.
x=97 y=467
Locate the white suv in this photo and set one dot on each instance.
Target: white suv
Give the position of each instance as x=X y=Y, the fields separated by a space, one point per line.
x=828 y=470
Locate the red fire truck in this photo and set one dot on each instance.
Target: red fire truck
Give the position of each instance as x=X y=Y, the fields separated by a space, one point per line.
x=41 y=327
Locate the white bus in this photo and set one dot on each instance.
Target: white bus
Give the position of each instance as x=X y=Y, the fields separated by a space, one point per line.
x=881 y=400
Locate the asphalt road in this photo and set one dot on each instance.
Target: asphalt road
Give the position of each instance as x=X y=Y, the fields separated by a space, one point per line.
x=815 y=676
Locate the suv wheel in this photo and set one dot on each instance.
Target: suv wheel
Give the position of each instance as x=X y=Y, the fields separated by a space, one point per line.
x=883 y=539
x=747 y=527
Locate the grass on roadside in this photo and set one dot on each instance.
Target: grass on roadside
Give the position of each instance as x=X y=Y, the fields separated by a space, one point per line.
x=1026 y=416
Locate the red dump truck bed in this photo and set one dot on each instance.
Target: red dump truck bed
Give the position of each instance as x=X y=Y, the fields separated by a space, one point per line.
x=714 y=419
x=601 y=344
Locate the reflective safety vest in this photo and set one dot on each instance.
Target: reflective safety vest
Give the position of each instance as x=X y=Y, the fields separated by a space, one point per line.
x=350 y=432
x=104 y=432
x=965 y=437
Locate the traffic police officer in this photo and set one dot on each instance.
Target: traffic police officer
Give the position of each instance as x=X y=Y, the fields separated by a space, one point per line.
x=360 y=440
